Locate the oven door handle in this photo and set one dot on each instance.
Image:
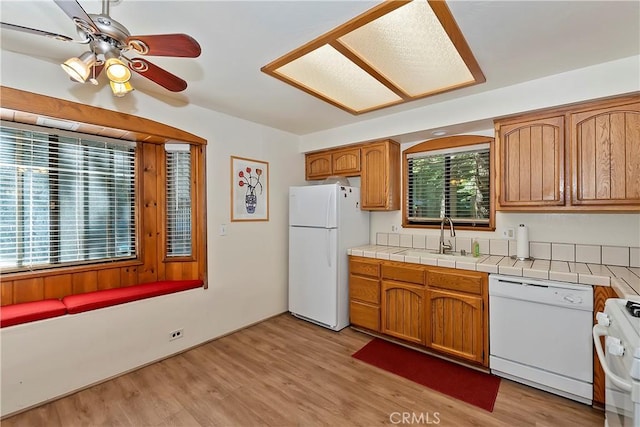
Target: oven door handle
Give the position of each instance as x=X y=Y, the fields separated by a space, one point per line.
x=602 y=331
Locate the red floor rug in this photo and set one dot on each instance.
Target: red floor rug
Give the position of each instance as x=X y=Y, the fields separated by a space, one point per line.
x=468 y=385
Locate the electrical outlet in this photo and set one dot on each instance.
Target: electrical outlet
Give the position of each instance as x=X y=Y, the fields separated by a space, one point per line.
x=174 y=335
x=509 y=233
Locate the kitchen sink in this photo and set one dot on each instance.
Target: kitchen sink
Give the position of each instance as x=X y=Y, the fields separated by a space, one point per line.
x=453 y=256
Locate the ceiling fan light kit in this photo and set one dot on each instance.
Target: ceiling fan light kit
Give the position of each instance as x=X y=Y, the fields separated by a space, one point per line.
x=117 y=71
x=120 y=89
x=109 y=41
x=79 y=69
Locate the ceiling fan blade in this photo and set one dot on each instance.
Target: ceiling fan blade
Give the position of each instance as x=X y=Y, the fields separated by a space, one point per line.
x=157 y=75
x=14 y=27
x=179 y=45
x=73 y=9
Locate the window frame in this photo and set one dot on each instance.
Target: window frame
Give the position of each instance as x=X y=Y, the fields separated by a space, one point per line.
x=450 y=142
x=18 y=106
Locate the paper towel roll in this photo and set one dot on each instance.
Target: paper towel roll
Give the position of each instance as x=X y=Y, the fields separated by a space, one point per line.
x=522 y=242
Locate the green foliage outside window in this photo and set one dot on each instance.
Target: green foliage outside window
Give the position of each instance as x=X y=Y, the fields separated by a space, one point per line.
x=449 y=184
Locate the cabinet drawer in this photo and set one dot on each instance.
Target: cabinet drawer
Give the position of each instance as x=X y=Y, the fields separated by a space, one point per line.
x=455 y=281
x=365 y=315
x=364 y=268
x=403 y=273
x=363 y=289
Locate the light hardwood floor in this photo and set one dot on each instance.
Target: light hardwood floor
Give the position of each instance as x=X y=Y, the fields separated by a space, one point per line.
x=287 y=372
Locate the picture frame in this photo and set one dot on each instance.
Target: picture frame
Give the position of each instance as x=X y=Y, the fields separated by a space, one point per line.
x=249 y=189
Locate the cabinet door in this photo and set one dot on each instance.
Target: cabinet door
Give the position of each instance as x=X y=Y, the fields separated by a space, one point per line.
x=346 y=162
x=317 y=165
x=403 y=311
x=531 y=163
x=380 y=176
x=455 y=324
x=605 y=156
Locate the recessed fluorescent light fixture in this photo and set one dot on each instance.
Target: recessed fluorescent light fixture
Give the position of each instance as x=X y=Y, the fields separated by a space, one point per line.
x=396 y=52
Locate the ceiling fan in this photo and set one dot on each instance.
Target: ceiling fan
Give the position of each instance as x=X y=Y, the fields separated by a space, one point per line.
x=109 y=41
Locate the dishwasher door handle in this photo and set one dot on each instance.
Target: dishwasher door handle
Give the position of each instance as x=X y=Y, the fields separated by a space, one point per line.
x=602 y=331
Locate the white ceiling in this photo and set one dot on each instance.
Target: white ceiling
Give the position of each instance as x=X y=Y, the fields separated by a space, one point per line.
x=513 y=41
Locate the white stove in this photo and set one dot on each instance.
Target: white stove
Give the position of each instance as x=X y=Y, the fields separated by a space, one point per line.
x=620 y=361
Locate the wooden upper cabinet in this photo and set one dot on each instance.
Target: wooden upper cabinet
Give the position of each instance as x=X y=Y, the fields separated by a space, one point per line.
x=583 y=157
x=378 y=165
x=380 y=176
x=346 y=162
x=605 y=155
x=531 y=163
x=317 y=165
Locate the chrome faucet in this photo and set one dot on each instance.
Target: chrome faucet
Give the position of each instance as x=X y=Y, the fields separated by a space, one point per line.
x=442 y=247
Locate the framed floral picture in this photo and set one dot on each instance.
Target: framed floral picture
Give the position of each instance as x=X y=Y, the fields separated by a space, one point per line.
x=249 y=190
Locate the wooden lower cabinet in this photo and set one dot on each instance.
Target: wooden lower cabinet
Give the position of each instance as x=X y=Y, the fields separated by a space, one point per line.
x=455 y=324
x=600 y=296
x=403 y=311
x=439 y=308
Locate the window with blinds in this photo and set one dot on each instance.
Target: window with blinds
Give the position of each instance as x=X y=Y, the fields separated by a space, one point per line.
x=178 y=200
x=64 y=199
x=450 y=182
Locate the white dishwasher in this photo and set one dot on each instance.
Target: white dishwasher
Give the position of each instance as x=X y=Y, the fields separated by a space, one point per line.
x=540 y=334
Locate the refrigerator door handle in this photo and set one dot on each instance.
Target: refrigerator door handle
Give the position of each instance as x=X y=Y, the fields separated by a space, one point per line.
x=329 y=205
x=327 y=243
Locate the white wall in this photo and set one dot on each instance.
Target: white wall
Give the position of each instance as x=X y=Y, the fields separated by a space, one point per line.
x=248 y=267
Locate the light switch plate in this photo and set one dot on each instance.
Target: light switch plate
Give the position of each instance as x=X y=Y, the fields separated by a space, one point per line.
x=223 y=230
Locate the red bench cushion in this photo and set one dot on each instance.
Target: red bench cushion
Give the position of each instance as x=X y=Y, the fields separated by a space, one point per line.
x=108 y=297
x=16 y=314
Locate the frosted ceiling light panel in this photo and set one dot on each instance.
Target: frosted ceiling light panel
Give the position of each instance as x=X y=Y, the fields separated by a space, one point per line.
x=395 y=52
x=327 y=71
x=411 y=49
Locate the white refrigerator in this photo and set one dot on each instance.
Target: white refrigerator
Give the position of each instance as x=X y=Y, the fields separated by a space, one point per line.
x=324 y=221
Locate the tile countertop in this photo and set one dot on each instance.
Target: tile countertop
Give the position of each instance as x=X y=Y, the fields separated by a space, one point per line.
x=624 y=280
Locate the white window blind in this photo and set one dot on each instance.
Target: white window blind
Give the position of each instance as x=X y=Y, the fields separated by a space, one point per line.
x=453 y=183
x=178 y=200
x=64 y=199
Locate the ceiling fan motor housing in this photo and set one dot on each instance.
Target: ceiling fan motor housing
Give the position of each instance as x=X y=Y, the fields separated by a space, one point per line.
x=110 y=30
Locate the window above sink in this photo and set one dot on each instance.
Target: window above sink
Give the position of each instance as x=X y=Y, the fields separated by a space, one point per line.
x=449 y=177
